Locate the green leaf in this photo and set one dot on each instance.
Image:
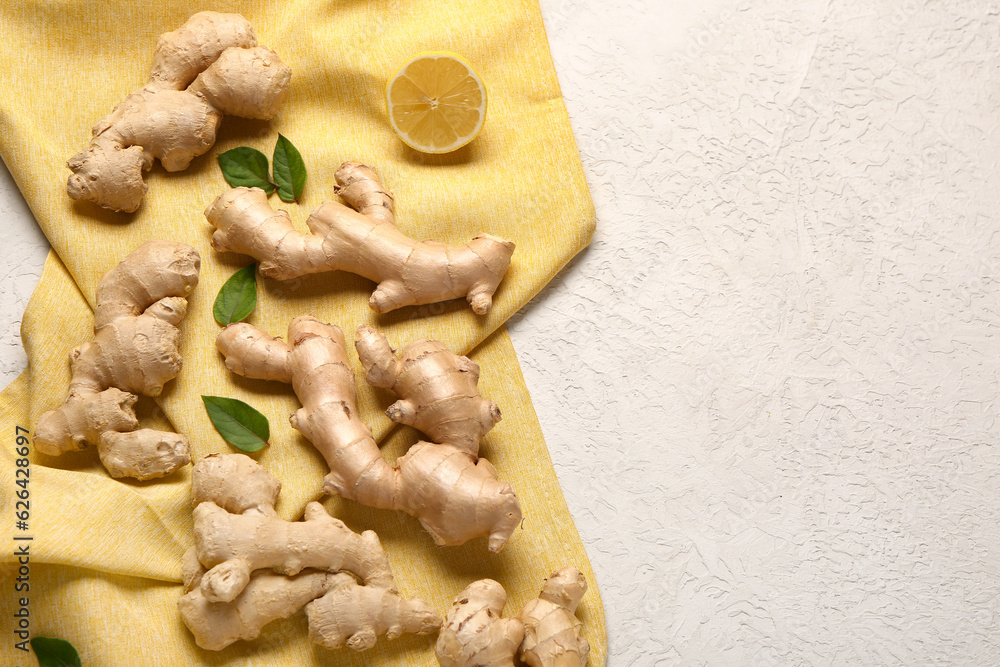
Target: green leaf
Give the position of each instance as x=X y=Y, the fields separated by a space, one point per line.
x=237 y=298
x=246 y=167
x=240 y=425
x=53 y=652
x=289 y=170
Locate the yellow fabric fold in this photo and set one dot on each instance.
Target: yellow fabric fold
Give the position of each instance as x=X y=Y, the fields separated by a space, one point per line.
x=105 y=553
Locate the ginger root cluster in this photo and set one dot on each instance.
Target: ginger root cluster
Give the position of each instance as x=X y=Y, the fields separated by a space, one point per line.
x=208 y=67
x=135 y=351
x=250 y=567
x=546 y=634
x=442 y=482
x=361 y=238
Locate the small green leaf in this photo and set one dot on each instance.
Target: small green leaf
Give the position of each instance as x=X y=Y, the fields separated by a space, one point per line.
x=237 y=298
x=246 y=167
x=240 y=425
x=289 y=170
x=53 y=652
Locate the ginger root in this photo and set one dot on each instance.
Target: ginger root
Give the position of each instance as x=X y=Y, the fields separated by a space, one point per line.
x=547 y=633
x=249 y=567
x=355 y=616
x=552 y=632
x=135 y=350
x=232 y=544
x=474 y=634
x=362 y=239
x=208 y=67
x=454 y=494
x=267 y=597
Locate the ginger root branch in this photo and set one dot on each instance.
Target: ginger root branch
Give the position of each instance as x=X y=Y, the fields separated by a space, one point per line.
x=454 y=494
x=361 y=238
x=208 y=67
x=552 y=632
x=135 y=351
x=267 y=597
x=249 y=567
x=355 y=616
x=474 y=633
x=547 y=633
x=234 y=544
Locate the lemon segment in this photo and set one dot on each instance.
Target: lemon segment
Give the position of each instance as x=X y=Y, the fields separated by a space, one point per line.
x=437 y=102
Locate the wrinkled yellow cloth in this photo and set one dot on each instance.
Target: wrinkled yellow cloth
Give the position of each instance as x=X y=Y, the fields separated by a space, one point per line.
x=105 y=554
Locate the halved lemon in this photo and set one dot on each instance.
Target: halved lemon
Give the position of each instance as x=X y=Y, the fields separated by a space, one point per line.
x=437 y=102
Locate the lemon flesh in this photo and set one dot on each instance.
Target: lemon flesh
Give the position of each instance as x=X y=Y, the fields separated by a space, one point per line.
x=437 y=103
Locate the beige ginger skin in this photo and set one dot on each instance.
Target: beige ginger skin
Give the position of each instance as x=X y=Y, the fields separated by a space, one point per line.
x=454 y=494
x=361 y=238
x=208 y=67
x=546 y=634
x=474 y=633
x=250 y=567
x=232 y=544
x=552 y=632
x=135 y=350
x=267 y=597
x=355 y=616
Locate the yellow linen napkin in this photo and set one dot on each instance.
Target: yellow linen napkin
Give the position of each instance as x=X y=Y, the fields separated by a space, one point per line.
x=105 y=554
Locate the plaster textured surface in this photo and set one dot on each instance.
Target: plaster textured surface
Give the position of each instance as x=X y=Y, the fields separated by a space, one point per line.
x=21 y=259
x=770 y=385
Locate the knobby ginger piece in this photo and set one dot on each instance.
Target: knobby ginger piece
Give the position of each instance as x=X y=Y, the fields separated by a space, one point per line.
x=552 y=632
x=267 y=597
x=454 y=494
x=208 y=67
x=474 y=634
x=355 y=616
x=546 y=634
x=135 y=351
x=249 y=567
x=361 y=238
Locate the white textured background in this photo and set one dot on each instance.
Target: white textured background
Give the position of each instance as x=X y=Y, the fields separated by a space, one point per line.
x=770 y=386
